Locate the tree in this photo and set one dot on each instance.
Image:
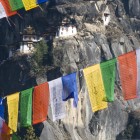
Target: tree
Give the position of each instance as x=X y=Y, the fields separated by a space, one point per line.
x=39 y=58
x=30 y=134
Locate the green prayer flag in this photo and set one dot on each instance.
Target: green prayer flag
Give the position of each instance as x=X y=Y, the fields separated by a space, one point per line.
x=108 y=70
x=26 y=107
x=15 y=4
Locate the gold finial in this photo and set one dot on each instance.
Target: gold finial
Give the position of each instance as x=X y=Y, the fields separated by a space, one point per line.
x=29 y=30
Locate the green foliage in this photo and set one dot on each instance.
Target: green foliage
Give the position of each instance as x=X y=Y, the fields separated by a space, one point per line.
x=30 y=135
x=15 y=137
x=39 y=58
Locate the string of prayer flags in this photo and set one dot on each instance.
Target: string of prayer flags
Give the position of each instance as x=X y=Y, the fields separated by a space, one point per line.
x=12 y=101
x=128 y=74
x=40 y=103
x=29 y=4
x=138 y=72
x=41 y=1
x=26 y=107
x=57 y=105
x=7 y=8
x=95 y=87
x=108 y=75
x=70 y=88
x=2 y=11
x=16 y=4
x=1 y=108
x=4 y=130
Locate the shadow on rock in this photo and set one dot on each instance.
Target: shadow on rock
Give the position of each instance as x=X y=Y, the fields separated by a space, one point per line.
x=132 y=132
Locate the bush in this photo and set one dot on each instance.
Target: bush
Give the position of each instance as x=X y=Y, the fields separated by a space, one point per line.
x=30 y=135
x=39 y=58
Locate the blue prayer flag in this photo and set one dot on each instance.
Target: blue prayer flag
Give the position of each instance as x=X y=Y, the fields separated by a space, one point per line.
x=41 y=1
x=70 y=88
x=1 y=108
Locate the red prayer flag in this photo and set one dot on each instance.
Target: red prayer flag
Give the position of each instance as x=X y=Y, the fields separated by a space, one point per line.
x=5 y=132
x=7 y=8
x=40 y=103
x=128 y=74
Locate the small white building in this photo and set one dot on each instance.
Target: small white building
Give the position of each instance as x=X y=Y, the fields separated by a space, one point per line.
x=66 y=31
x=26 y=46
x=106 y=16
x=28 y=39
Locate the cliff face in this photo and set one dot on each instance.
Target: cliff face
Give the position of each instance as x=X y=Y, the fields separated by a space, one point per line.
x=93 y=44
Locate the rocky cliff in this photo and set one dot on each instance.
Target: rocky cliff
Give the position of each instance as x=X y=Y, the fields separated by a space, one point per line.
x=94 y=43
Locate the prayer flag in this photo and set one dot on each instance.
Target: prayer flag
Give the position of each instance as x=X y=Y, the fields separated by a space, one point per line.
x=95 y=87
x=7 y=8
x=29 y=4
x=1 y=125
x=1 y=108
x=57 y=104
x=70 y=88
x=16 y=4
x=5 y=132
x=26 y=108
x=41 y=1
x=2 y=11
x=108 y=75
x=138 y=72
x=128 y=74
x=40 y=103
x=12 y=101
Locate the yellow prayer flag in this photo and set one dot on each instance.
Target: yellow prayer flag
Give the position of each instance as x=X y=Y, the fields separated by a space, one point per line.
x=95 y=87
x=12 y=102
x=29 y=4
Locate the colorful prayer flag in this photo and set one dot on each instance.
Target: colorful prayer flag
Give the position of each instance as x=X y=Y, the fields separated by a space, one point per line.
x=138 y=72
x=26 y=107
x=57 y=104
x=12 y=101
x=7 y=8
x=70 y=88
x=2 y=11
x=16 y=4
x=29 y=4
x=108 y=74
x=95 y=87
x=128 y=74
x=40 y=103
x=41 y=1
x=5 y=132
x=1 y=108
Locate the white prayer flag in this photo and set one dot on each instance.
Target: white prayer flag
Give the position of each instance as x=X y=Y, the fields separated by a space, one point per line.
x=57 y=104
x=2 y=11
x=138 y=72
x=1 y=123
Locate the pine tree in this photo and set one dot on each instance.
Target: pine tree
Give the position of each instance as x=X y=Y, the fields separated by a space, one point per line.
x=39 y=58
x=30 y=135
